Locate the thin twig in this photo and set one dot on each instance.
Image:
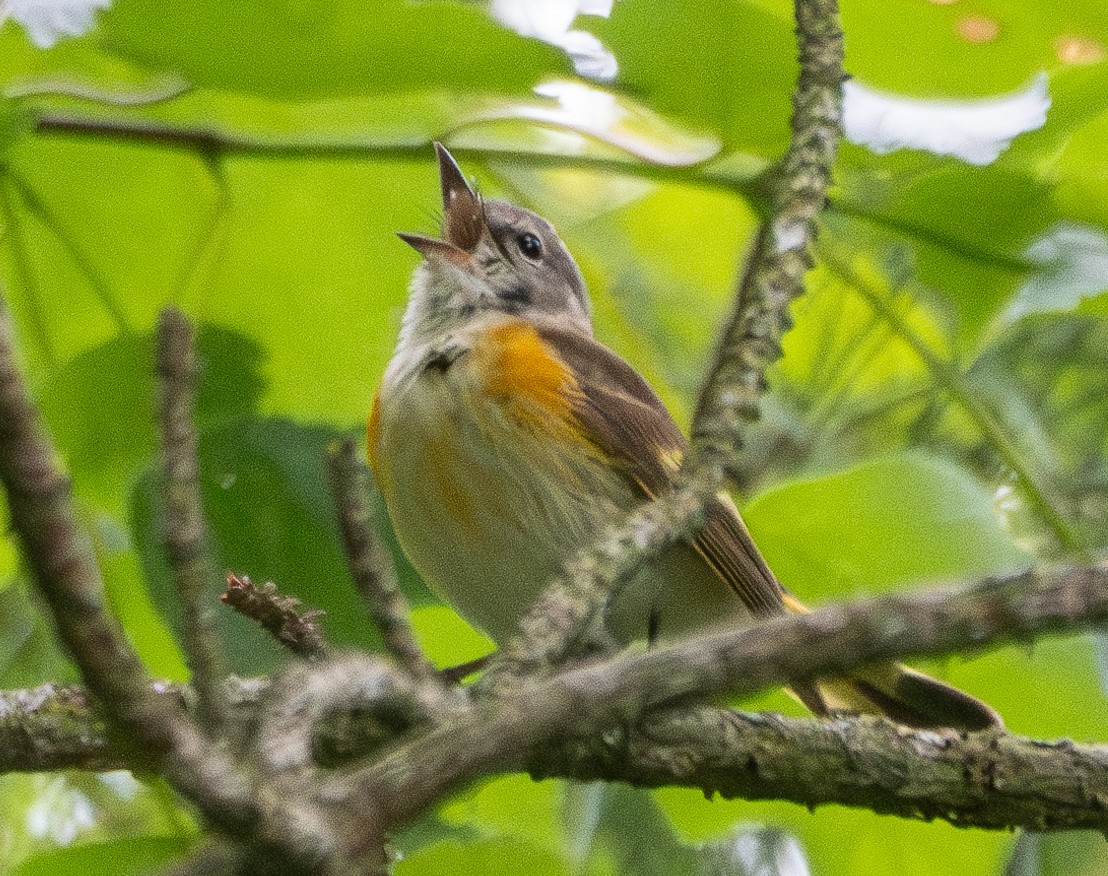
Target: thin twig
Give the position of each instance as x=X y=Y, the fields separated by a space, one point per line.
x=278 y=615
x=774 y=274
x=370 y=566
x=750 y=343
x=212 y=139
x=185 y=531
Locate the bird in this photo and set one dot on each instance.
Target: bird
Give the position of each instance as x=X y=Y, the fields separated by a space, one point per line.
x=504 y=438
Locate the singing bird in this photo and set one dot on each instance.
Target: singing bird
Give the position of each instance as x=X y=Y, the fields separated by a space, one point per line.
x=505 y=437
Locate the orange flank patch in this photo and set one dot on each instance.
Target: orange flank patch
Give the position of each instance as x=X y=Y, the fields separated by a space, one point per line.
x=451 y=484
x=523 y=372
x=372 y=434
x=794 y=605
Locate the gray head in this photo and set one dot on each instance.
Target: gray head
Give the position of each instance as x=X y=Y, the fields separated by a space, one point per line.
x=494 y=257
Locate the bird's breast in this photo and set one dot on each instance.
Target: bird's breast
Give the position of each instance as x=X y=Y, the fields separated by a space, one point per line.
x=489 y=481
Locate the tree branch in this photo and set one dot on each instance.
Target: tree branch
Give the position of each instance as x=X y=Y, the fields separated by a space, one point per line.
x=989 y=780
x=622 y=721
x=185 y=532
x=498 y=735
x=373 y=572
x=60 y=558
x=208 y=139
x=775 y=270
x=278 y=615
x=559 y=620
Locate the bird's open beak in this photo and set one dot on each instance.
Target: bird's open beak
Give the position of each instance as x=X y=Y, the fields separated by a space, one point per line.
x=463 y=220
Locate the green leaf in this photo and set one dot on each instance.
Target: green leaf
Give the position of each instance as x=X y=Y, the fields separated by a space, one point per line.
x=511 y=806
x=1069 y=853
x=311 y=50
x=100 y=409
x=952 y=56
x=1049 y=690
x=498 y=857
x=446 y=638
x=964 y=232
x=846 y=842
x=122 y=857
x=29 y=653
x=727 y=66
x=906 y=519
x=271 y=517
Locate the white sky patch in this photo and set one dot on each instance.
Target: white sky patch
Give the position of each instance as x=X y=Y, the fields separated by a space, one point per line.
x=60 y=812
x=592 y=112
x=976 y=131
x=789 y=235
x=1073 y=264
x=550 y=21
x=761 y=852
x=47 y=21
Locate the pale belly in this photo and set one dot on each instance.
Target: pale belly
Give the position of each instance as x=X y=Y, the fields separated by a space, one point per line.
x=489 y=508
x=486 y=508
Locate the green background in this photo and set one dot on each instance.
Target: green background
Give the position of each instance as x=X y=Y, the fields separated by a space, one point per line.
x=941 y=411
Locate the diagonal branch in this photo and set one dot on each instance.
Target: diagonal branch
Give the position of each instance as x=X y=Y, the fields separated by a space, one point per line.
x=750 y=343
x=60 y=558
x=280 y=616
x=370 y=566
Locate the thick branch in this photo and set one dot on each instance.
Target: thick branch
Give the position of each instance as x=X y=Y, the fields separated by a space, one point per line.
x=989 y=780
x=992 y=780
x=622 y=721
x=786 y=648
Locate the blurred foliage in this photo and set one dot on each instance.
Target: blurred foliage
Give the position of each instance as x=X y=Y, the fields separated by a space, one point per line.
x=941 y=410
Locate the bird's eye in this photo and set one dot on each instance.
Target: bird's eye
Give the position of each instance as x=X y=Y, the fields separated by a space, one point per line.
x=530 y=245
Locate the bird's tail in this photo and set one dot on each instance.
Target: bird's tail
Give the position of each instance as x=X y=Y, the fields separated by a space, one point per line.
x=897 y=692
x=902 y=694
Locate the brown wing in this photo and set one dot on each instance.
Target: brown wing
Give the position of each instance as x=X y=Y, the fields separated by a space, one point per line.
x=629 y=423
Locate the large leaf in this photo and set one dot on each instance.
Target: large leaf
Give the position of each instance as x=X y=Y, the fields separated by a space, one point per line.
x=882 y=524
x=271 y=516
x=729 y=66
x=338 y=48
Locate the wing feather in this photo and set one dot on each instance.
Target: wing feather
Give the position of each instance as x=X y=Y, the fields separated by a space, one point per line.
x=624 y=417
